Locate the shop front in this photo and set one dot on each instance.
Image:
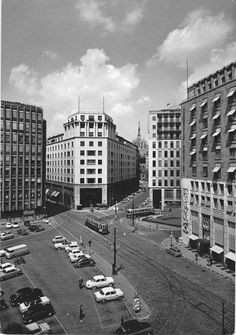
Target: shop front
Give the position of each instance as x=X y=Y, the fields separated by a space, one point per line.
x=230 y=258
x=193 y=241
x=217 y=253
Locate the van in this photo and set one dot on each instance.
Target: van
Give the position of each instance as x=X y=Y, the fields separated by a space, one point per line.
x=18 y=250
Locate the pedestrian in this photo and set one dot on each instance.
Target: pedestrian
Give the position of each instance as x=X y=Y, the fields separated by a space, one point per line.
x=81 y=282
x=81 y=313
x=208 y=262
x=122 y=321
x=196 y=257
x=211 y=261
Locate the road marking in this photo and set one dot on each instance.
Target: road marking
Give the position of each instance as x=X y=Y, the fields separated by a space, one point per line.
x=33 y=284
x=96 y=310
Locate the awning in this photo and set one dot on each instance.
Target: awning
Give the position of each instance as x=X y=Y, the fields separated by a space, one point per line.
x=193 y=106
x=53 y=194
x=203 y=103
x=203 y=136
x=217 y=249
x=232 y=128
x=56 y=194
x=231 y=112
x=217 y=132
x=216 y=169
x=231 y=169
x=193 y=136
x=217 y=97
x=192 y=123
x=193 y=237
x=216 y=116
x=229 y=209
x=230 y=255
x=193 y=152
x=47 y=191
x=231 y=92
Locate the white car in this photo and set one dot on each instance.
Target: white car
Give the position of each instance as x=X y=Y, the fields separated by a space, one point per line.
x=8 y=225
x=74 y=251
x=99 y=281
x=6 y=265
x=39 y=301
x=58 y=238
x=2 y=253
x=108 y=293
x=74 y=257
x=15 y=225
x=41 y=328
x=71 y=246
x=45 y=221
x=61 y=245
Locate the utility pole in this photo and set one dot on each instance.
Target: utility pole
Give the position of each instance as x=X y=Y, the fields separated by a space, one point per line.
x=114 y=271
x=115 y=210
x=133 y=212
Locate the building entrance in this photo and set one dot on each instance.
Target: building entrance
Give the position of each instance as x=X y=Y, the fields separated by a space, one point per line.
x=90 y=196
x=157 y=198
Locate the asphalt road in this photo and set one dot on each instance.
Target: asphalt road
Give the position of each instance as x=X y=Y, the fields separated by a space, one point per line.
x=183 y=299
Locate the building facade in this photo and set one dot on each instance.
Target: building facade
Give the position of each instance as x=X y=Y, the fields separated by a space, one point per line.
x=23 y=145
x=89 y=164
x=209 y=165
x=164 y=157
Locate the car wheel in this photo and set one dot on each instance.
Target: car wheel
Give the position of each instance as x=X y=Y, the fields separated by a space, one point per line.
x=121 y=298
x=111 y=284
x=94 y=287
x=103 y=301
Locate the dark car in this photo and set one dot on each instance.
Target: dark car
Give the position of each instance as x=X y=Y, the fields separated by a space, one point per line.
x=175 y=251
x=3 y=304
x=24 y=294
x=84 y=261
x=134 y=327
x=26 y=223
x=39 y=228
x=22 y=232
x=33 y=227
x=37 y=313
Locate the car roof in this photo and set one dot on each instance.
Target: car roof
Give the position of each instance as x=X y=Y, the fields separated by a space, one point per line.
x=98 y=277
x=10 y=268
x=107 y=289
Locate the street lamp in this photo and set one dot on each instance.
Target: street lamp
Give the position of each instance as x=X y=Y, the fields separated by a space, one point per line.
x=133 y=213
x=115 y=210
x=171 y=239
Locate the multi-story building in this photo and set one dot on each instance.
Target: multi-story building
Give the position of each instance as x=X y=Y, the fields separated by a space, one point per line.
x=142 y=145
x=164 y=157
x=209 y=165
x=89 y=164
x=23 y=145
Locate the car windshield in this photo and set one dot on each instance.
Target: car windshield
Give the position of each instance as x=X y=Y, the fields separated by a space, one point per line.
x=101 y=292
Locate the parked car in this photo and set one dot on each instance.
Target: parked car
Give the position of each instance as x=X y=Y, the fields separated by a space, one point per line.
x=7 y=236
x=61 y=245
x=45 y=221
x=2 y=252
x=22 y=232
x=134 y=327
x=10 y=272
x=74 y=251
x=24 y=294
x=5 y=265
x=15 y=225
x=39 y=312
x=41 y=328
x=58 y=238
x=26 y=223
x=75 y=256
x=175 y=251
x=71 y=246
x=99 y=281
x=24 y=306
x=8 y=225
x=84 y=261
x=33 y=227
x=3 y=304
x=39 y=228
x=108 y=293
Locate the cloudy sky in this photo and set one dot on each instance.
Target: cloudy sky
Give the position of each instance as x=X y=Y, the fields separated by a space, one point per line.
x=131 y=52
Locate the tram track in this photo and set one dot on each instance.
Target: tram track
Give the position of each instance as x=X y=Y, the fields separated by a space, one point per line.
x=181 y=291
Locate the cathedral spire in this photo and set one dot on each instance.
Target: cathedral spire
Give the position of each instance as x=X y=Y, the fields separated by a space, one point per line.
x=139 y=132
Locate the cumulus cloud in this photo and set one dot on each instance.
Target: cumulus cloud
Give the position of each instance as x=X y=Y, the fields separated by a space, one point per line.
x=144 y=99
x=92 y=79
x=198 y=34
x=95 y=14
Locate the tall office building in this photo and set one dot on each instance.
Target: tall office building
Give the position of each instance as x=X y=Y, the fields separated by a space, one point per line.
x=89 y=164
x=23 y=140
x=164 y=157
x=209 y=165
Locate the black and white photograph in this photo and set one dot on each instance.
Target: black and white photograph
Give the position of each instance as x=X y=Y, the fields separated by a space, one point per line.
x=118 y=167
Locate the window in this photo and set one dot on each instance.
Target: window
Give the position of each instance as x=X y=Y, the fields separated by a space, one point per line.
x=154 y=154
x=153 y=145
x=90 y=180
x=82 y=180
x=91 y=152
x=159 y=183
x=82 y=161
x=99 y=180
x=82 y=152
x=153 y=163
x=99 y=171
x=166 y=173
x=159 y=163
x=91 y=161
x=100 y=143
x=166 y=154
x=159 y=145
x=154 y=173
x=91 y=143
x=90 y=134
x=82 y=143
x=154 y=182
x=205 y=171
x=100 y=162
x=99 y=134
x=82 y=171
x=91 y=171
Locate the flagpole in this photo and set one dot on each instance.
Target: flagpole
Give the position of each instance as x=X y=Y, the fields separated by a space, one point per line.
x=187 y=78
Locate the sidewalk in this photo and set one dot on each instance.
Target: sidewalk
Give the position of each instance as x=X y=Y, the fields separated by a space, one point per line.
x=202 y=260
x=128 y=289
